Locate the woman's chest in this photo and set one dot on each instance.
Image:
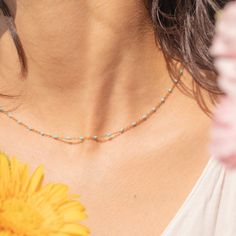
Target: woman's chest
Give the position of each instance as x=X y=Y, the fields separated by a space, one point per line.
x=138 y=199
x=128 y=188
x=136 y=195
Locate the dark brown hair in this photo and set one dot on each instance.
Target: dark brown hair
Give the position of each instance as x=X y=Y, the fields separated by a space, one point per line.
x=184 y=30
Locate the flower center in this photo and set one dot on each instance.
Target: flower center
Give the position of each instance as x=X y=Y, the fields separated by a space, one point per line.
x=19 y=218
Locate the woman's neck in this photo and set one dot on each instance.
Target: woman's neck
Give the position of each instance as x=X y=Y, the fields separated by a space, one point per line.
x=93 y=65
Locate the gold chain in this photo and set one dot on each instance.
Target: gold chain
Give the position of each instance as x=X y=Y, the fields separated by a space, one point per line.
x=103 y=138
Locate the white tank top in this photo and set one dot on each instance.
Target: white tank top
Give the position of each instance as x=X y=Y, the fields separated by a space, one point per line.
x=210 y=208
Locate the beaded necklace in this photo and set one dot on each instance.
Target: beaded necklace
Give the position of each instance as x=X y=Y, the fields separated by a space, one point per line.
x=107 y=136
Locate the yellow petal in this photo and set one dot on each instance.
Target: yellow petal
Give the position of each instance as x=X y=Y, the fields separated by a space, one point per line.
x=73 y=229
x=36 y=181
x=72 y=204
x=4 y=167
x=24 y=178
x=72 y=215
x=4 y=175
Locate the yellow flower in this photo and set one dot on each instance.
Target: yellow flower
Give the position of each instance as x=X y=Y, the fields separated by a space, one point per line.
x=27 y=208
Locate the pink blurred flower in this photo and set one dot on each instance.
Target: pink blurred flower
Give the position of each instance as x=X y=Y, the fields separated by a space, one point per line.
x=223 y=133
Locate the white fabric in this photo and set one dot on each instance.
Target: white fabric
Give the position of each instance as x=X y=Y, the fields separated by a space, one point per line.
x=210 y=208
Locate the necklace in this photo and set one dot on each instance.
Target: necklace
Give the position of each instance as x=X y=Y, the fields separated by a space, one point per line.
x=103 y=138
